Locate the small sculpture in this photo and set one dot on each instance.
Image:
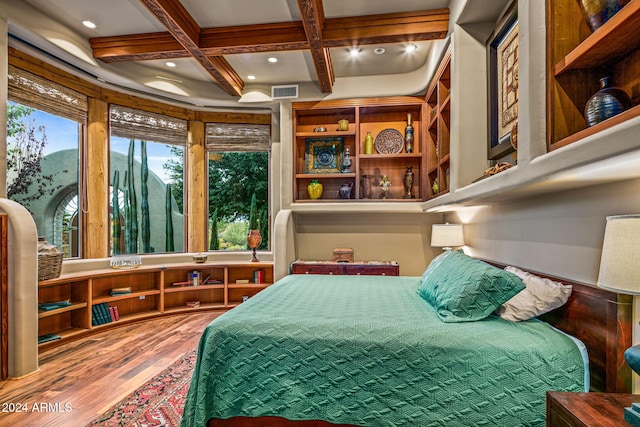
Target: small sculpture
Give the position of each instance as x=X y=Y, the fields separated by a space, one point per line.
x=385 y=185
x=408 y=184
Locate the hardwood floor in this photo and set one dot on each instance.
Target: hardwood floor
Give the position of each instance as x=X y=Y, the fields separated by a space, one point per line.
x=80 y=380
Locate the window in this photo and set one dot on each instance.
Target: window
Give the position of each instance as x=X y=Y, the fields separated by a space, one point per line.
x=45 y=124
x=146 y=160
x=238 y=184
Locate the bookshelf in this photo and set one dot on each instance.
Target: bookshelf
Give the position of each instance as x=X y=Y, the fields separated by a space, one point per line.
x=317 y=121
x=156 y=290
x=577 y=58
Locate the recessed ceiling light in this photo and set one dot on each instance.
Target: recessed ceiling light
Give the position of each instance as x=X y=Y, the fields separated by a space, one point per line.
x=88 y=24
x=354 y=51
x=170 y=64
x=410 y=48
x=272 y=59
x=379 y=50
x=251 y=77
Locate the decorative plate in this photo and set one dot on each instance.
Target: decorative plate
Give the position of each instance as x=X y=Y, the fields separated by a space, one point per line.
x=324 y=155
x=389 y=141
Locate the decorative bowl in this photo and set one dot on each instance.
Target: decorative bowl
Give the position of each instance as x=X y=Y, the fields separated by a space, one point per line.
x=200 y=258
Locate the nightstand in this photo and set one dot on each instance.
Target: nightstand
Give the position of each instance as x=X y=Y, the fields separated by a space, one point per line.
x=364 y=268
x=566 y=409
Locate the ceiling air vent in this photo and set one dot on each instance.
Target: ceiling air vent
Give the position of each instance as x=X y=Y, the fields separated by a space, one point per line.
x=284 y=92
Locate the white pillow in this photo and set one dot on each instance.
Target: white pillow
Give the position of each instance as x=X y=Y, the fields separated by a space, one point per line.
x=540 y=296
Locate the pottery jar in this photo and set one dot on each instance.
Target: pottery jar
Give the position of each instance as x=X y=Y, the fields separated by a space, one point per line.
x=314 y=189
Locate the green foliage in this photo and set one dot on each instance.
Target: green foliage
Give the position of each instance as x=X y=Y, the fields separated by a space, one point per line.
x=234 y=178
x=132 y=223
x=253 y=213
x=263 y=226
x=234 y=236
x=145 y=228
x=115 y=214
x=214 y=240
x=169 y=243
x=25 y=148
x=175 y=171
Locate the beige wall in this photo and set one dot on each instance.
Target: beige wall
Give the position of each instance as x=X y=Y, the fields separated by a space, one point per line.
x=559 y=234
x=403 y=237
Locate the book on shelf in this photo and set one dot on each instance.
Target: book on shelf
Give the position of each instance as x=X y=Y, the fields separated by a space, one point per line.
x=48 y=306
x=120 y=291
x=113 y=311
x=190 y=283
x=258 y=276
x=48 y=337
x=242 y=281
x=100 y=314
x=193 y=304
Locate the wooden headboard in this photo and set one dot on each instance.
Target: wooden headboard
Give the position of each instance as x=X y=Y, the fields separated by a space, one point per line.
x=602 y=320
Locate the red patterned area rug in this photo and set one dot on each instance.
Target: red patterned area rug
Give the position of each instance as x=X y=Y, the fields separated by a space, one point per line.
x=159 y=402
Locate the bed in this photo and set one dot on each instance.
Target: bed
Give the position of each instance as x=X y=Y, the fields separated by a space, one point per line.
x=368 y=350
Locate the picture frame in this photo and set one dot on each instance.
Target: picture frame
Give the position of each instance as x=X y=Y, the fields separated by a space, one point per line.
x=324 y=155
x=503 y=85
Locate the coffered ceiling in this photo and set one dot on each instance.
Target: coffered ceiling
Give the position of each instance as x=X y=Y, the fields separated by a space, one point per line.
x=221 y=49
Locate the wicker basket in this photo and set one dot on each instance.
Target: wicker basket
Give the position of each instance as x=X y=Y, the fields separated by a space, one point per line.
x=49 y=260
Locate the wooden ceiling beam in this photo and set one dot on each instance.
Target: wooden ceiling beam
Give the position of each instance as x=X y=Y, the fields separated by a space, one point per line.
x=313 y=19
x=276 y=37
x=187 y=32
x=283 y=36
x=137 y=47
x=386 y=28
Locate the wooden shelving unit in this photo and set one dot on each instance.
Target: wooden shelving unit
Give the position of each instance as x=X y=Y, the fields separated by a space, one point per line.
x=365 y=115
x=438 y=129
x=578 y=58
x=152 y=294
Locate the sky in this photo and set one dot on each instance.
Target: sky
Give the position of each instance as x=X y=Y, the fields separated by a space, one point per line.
x=62 y=134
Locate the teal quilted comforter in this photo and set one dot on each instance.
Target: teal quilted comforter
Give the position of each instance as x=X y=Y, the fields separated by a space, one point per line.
x=368 y=351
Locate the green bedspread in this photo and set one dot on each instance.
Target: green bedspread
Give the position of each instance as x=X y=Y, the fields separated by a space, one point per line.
x=367 y=350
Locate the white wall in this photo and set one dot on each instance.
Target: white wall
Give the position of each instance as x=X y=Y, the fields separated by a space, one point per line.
x=559 y=234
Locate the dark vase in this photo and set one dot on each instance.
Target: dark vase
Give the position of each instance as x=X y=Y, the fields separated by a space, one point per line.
x=606 y=103
x=597 y=12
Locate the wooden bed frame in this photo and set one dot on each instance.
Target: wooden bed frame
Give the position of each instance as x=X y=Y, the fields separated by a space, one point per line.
x=601 y=319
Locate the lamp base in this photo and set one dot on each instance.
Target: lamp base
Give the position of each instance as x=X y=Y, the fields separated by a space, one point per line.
x=632 y=415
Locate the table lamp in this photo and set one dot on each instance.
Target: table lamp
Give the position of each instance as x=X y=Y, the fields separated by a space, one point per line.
x=446 y=236
x=620 y=272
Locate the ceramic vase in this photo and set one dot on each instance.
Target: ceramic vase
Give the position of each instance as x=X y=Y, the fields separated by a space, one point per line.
x=365 y=184
x=408 y=135
x=368 y=144
x=345 y=191
x=606 y=103
x=597 y=12
x=315 y=189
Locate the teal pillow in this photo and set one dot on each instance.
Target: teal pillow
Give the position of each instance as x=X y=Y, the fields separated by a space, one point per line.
x=464 y=289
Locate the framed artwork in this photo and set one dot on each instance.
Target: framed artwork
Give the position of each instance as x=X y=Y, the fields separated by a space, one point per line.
x=323 y=155
x=503 y=86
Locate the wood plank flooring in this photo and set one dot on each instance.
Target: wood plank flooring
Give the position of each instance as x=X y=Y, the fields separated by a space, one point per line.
x=81 y=380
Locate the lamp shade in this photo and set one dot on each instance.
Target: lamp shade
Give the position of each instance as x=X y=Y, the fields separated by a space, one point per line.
x=447 y=235
x=620 y=262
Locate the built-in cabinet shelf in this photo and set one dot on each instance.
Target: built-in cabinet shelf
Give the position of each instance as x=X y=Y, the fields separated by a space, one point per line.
x=438 y=136
x=153 y=293
x=578 y=58
x=371 y=115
